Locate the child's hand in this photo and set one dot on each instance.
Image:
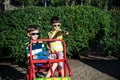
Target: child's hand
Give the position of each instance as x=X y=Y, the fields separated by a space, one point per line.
x=34 y=57
x=65 y=32
x=49 y=51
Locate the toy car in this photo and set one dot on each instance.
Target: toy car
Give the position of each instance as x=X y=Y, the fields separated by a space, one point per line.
x=33 y=69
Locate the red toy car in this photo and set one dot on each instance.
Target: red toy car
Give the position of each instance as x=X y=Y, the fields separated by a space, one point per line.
x=33 y=69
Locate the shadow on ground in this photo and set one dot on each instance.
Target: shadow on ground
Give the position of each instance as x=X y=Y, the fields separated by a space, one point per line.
x=10 y=73
x=110 y=67
x=107 y=66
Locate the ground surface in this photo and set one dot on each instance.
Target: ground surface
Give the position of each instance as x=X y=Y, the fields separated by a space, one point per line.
x=82 y=69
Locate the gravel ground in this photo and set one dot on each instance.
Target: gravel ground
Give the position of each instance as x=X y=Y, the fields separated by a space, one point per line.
x=83 y=69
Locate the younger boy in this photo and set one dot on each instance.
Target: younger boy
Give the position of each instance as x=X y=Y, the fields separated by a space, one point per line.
x=38 y=48
x=57 y=33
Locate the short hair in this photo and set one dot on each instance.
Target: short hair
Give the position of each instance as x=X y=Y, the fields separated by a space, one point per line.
x=55 y=19
x=32 y=28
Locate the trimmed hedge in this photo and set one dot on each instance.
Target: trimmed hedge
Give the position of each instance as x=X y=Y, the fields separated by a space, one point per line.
x=82 y=22
x=113 y=39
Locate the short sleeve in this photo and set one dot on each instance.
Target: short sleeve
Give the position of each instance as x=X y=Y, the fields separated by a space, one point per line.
x=27 y=50
x=43 y=47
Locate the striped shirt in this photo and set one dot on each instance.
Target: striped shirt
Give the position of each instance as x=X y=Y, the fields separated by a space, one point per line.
x=56 y=45
x=36 y=48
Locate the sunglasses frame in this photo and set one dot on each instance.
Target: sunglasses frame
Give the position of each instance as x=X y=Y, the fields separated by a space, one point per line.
x=34 y=33
x=56 y=25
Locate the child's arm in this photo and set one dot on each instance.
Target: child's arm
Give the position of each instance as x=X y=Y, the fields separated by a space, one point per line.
x=48 y=47
x=65 y=32
x=59 y=33
x=33 y=53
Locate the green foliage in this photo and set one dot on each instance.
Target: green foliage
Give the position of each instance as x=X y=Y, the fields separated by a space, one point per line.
x=57 y=2
x=29 y=2
x=113 y=38
x=82 y=22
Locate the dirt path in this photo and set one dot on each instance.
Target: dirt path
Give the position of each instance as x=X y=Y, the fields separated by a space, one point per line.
x=83 y=69
x=86 y=70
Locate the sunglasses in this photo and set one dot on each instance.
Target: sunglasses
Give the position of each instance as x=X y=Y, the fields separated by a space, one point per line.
x=56 y=25
x=34 y=33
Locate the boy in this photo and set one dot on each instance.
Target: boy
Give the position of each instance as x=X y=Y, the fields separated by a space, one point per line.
x=38 y=48
x=57 y=33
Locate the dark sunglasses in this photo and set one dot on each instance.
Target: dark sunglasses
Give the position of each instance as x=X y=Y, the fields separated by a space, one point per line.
x=34 y=33
x=56 y=25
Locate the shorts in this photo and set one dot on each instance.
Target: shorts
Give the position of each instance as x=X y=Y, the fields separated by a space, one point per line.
x=61 y=56
x=39 y=57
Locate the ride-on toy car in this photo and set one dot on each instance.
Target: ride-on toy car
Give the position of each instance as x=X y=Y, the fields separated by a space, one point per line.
x=33 y=69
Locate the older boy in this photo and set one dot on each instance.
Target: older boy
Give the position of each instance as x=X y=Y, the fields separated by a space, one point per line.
x=57 y=33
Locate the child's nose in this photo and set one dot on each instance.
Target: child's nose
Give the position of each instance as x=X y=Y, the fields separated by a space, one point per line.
x=36 y=35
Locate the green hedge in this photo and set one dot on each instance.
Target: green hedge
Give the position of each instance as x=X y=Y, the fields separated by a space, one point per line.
x=113 y=39
x=82 y=22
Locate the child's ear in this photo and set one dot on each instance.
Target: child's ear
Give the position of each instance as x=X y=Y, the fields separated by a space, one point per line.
x=28 y=34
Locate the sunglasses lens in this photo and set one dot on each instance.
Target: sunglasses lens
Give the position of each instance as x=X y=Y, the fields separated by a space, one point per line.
x=56 y=25
x=35 y=34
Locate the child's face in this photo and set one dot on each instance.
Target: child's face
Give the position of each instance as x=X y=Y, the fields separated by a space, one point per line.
x=34 y=34
x=56 y=26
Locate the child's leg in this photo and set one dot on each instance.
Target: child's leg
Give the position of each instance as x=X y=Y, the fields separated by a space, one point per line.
x=39 y=58
x=62 y=72
x=54 y=66
x=61 y=63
